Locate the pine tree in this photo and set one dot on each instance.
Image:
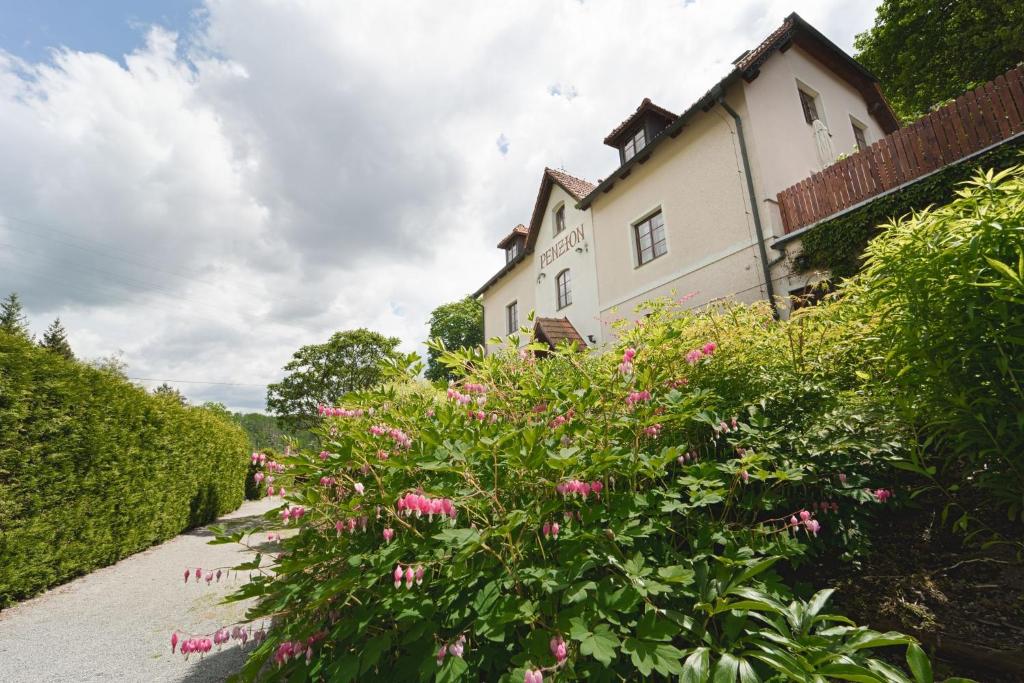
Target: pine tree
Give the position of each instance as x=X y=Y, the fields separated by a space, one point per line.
x=56 y=339
x=12 y=317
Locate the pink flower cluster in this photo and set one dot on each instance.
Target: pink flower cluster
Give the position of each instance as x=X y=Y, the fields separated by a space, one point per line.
x=626 y=366
x=210 y=575
x=350 y=524
x=273 y=466
x=882 y=495
x=637 y=397
x=584 y=489
x=677 y=383
x=685 y=458
x=533 y=676
x=551 y=530
x=476 y=415
x=811 y=525
x=389 y=533
x=653 y=431
x=454 y=649
x=401 y=439
x=412 y=503
x=410 y=575
x=558 y=648
x=221 y=637
x=328 y=411
x=259 y=458
x=324 y=455
x=294 y=649
x=696 y=355
x=295 y=513
x=560 y=420
x=459 y=397
x=258 y=477
x=472 y=388
x=726 y=427
x=327 y=481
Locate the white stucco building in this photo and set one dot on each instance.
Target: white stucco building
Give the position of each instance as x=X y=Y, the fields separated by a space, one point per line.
x=691 y=209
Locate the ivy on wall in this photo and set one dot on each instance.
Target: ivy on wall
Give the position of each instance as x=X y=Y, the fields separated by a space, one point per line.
x=838 y=245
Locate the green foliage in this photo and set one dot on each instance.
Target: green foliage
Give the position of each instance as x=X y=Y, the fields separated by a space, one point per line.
x=459 y=324
x=55 y=340
x=321 y=374
x=165 y=390
x=946 y=287
x=12 y=316
x=925 y=51
x=675 y=568
x=93 y=469
x=838 y=245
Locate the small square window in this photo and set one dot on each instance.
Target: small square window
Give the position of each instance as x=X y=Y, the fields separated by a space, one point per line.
x=560 y=219
x=512 y=317
x=650 y=238
x=810 y=107
x=563 y=285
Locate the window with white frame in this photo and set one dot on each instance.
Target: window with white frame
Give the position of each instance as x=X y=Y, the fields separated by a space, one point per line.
x=649 y=237
x=634 y=145
x=563 y=287
x=512 y=317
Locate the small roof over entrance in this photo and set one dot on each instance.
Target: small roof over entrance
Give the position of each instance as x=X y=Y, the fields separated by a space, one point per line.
x=553 y=331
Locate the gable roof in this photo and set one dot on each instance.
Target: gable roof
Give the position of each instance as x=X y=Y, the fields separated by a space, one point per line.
x=554 y=331
x=646 y=107
x=794 y=30
x=577 y=188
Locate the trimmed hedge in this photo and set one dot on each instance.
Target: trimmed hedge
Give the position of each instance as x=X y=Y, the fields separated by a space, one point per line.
x=93 y=469
x=838 y=245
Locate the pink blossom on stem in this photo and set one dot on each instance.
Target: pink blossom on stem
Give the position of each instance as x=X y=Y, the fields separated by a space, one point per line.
x=389 y=533
x=187 y=573
x=440 y=655
x=554 y=530
x=745 y=476
x=359 y=487
x=398 y=575
x=174 y=642
x=419 y=575
x=410 y=575
x=324 y=455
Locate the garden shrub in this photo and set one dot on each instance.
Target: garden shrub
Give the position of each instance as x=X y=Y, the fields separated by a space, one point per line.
x=945 y=288
x=93 y=469
x=570 y=517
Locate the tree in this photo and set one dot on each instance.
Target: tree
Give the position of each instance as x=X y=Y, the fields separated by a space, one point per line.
x=55 y=339
x=12 y=316
x=458 y=324
x=321 y=374
x=167 y=391
x=927 y=51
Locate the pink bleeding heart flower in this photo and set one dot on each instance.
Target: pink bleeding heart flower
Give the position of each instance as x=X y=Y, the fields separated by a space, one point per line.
x=398 y=575
x=389 y=533
x=410 y=575
x=554 y=530
x=419 y=575
x=359 y=488
x=187 y=574
x=440 y=655
x=174 y=642
x=324 y=455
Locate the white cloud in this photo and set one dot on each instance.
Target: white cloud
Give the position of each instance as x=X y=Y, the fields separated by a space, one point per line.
x=291 y=169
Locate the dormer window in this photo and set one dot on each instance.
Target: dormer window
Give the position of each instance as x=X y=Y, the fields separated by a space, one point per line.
x=513 y=250
x=634 y=145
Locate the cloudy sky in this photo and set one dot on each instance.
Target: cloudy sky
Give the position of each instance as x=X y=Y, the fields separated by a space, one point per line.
x=206 y=186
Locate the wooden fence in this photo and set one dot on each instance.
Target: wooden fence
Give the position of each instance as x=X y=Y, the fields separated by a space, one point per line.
x=977 y=119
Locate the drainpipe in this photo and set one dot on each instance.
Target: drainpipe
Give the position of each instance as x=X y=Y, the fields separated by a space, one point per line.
x=766 y=268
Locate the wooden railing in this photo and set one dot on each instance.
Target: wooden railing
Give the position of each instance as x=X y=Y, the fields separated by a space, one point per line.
x=977 y=119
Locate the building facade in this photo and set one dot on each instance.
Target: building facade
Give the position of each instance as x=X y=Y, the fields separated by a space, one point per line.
x=690 y=210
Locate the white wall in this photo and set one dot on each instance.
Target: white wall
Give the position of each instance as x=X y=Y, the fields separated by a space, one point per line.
x=575 y=251
x=515 y=286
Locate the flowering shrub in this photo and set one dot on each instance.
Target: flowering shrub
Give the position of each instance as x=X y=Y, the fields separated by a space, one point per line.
x=606 y=518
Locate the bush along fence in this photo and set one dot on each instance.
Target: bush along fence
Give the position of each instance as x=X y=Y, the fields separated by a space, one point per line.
x=93 y=469
x=976 y=120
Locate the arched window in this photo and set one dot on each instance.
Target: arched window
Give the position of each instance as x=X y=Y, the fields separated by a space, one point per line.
x=563 y=285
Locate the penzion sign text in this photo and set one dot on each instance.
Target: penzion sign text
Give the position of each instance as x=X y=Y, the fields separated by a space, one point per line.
x=551 y=254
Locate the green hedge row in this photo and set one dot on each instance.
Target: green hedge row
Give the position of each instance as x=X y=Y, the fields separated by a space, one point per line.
x=838 y=245
x=93 y=469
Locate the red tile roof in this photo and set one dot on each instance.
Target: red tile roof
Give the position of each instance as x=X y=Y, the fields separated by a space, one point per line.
x=577 y=187
x=646 y=106
x=554 y=331
x=516 y=231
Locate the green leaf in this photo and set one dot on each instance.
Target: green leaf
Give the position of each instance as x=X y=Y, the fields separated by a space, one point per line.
x=726 y=669
x=676 y=574
x=653 y=628
x=452 y=670
x=747 y=673
x=751 y=572
x=600 y=643
x=850 y=672
x=696 y=668
x=919 y=664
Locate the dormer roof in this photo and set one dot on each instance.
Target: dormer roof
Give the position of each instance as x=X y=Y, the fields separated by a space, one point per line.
x=646 y=108
x=517 y=232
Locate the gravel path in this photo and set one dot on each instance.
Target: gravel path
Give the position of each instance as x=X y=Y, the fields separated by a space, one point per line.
x=115 y=624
